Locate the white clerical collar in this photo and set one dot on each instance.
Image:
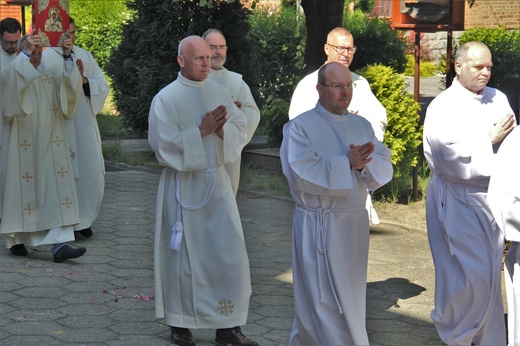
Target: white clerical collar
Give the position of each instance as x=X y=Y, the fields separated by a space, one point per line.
x=328 y=115
x=221 y=71
x=189 y=82
x=476 y=96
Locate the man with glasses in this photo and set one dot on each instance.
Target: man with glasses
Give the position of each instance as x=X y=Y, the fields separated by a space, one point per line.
x=340 y=48
x=238 y=89
x=10 y=32
x=39 y=203
x=330 y=159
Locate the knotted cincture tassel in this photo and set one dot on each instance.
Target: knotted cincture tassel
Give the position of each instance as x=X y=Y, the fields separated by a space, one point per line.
x=178 y=228
x=175 y=241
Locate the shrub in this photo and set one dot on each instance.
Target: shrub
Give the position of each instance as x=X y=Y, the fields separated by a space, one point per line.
x=376 y=42
x=280 y=44
x=99 y=25
x=426 y=68
x=145 y=61
x=403 y=135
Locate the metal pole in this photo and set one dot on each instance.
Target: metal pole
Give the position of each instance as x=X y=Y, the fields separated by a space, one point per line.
x=449 y=50
x=416 y=93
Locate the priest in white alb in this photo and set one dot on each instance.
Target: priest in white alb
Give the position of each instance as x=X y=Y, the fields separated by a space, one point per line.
x=202 y=277
x=340 y=48
x=330 y=158
x=463 y=129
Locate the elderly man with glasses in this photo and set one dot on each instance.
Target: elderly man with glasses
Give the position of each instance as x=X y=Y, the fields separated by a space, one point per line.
x=10 y=32
x=340 y=48
x=239 y=90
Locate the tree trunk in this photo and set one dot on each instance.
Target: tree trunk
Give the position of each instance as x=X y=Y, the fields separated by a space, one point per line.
x=321 y=17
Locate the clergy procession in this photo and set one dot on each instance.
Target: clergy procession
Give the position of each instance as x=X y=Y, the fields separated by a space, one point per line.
x=205 y=281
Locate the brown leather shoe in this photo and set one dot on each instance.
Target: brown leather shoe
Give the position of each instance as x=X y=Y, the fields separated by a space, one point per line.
x=182 y=336
x=234 y=337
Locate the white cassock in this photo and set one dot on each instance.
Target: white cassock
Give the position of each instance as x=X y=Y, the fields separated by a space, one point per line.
x=239 y=91
x=5 y=59
x=330 y=224
x=83 y=134
x=206 y=282
x=39 y=195
x=504 y=201
x=466 y=243
x=363 y=103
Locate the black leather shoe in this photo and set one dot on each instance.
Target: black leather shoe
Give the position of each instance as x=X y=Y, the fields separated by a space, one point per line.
x=19 y=250
x=182 y=336
x=87 y=232
x=234 y=337
x=67 y=252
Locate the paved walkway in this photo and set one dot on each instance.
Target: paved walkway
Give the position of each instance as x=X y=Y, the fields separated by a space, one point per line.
x=106 y=297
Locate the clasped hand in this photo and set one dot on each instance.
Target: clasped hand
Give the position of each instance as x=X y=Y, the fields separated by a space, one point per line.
x=213 y=121
x=359 y=155
x=501 y=129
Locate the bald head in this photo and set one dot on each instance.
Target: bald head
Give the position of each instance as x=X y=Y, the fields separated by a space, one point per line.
x=194 y=58
x=335 y=87
x=473 y=66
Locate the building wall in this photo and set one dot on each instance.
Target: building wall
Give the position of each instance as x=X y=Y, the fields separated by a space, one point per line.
x=492 y=13
x=10 y=11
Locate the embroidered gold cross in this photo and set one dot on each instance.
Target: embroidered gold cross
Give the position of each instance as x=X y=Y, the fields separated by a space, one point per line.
x=47 y=79
x=57 y=141
x=67 y=203
x=27 y=177
x=62 y=172
x=25 y=145
x=225 y=307
x=29 y=209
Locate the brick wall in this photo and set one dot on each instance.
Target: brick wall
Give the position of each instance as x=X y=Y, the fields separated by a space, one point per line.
x=491 y=13
x=10 y=11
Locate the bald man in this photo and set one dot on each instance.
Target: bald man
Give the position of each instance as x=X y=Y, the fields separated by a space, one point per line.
x=202 y=277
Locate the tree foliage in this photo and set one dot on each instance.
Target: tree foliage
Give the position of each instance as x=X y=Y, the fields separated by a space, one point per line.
x=280 y=44
x=99 y=25
x=321 y=16
x=376 y=42
x=146 y=59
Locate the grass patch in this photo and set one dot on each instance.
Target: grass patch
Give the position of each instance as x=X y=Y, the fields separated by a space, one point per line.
x=263 y=180
x=113 y=151
x=111 y=126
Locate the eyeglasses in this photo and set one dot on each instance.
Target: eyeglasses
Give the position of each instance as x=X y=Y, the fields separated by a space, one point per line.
x=221 y=47
x=9 y=43
x=339 y=86
x=340 y=49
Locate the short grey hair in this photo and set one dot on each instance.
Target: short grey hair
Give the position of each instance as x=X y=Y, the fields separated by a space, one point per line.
x=210 y=31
